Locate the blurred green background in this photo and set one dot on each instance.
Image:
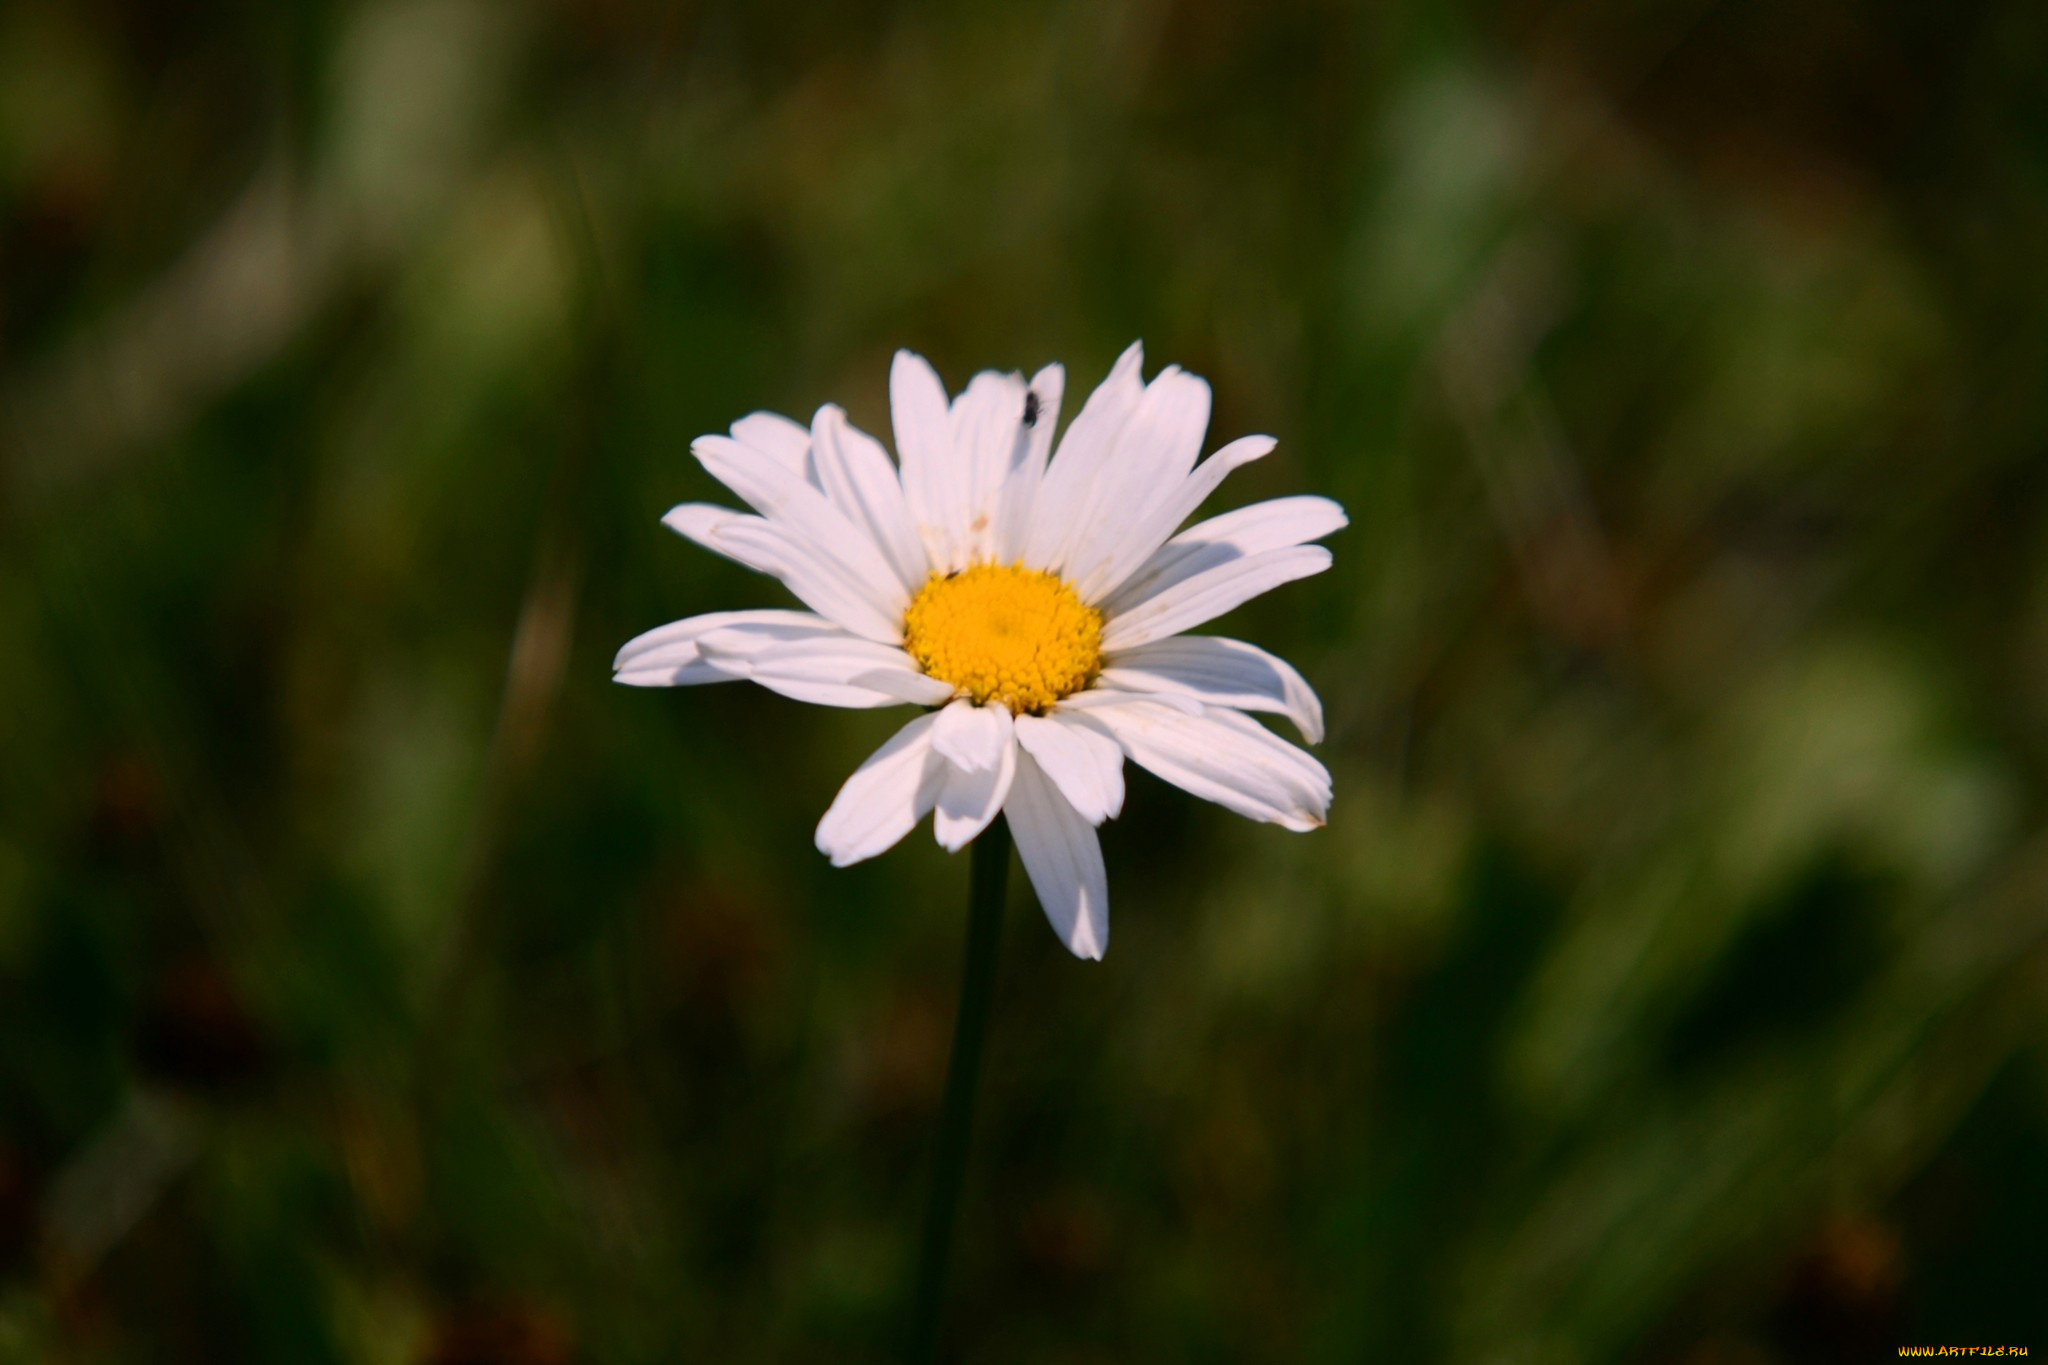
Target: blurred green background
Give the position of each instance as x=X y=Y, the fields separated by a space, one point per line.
x=379 y=983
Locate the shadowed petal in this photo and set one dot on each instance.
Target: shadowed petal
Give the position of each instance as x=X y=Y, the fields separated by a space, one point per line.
x=1144 y=534
x=1209 y=594
x=1063 y=859
x=669 y=656
x=778 y=437
x=1081 y=758
x=1154 y=451
x=1278 y=524
x=1017 y=505
x=885 y=797
x=1077 y=463
x=800 y=508
x=969 y=800
x=859 y=480
x=820 y=669
x=972 y=737
x=1225 y=757
x=932 y=487
x=990 y=441
x=823 y=583
x=1218 y=672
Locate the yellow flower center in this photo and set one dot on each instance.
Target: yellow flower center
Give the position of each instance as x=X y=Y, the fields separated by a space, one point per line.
x=1013 y=634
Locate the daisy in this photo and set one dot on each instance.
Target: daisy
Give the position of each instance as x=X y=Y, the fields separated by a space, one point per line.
x=1036 y=598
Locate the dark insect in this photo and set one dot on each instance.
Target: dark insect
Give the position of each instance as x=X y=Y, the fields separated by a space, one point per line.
x=1031 y=407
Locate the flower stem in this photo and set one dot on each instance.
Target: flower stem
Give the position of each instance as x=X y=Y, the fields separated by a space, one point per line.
x=991 y=868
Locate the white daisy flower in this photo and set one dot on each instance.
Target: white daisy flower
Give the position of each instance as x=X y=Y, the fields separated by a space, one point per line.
x=1036 y=602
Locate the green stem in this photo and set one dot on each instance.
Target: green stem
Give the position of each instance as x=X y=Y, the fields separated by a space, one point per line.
x=991 y=870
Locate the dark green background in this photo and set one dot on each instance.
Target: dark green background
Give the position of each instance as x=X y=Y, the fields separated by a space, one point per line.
x=380 y=983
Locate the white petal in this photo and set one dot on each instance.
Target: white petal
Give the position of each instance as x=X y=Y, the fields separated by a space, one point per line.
x=1273 y=525
x=990 y=440
x=822 y=582
x=920 y=689
x=777 y=436
x=969 y=800
x=1077 y=465
x=1050 y=384
x=1154 y=452
x=691 y=674
x=885 y=797
x=1146 y=532
x=1020 y=492
x=858 y=479
x=1063 y=859
x=800 y=508
x=820 y=669
x=924 y=445
x=1097 y=698
x=972 y=737
x=1225 y=757
x=664 y=641
x=1218 y=672
x=705 y=522
x=668 y=656
x=1081 y=757
x=1209 y=594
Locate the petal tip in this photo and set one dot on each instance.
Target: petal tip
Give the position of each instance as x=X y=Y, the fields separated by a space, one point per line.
x=839 y=857
x=1083 y=942
x=907 y=362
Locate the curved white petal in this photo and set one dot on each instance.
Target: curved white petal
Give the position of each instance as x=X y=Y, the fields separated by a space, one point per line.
x=972 y=737
x=801 y=508
x=1225 y=757
x=1063 y=859
x=990 y=441
x=920 y=689
x=1077 y=464
x=1209 y=594
x=1145 y=532
x=820 y=669
x=821 y=581
x=924 y=445
x=885 y=797
x=1081 y=758
x=858 y=479
x=787 y=442
x=1276 y=524
x=706 y=522
x=1097 y=698
x=668 y=656
x=1050 y=384
x=1218 y=672
x=1154 y=451
x=1019 y=496
x=969 y=800
x=693 y=673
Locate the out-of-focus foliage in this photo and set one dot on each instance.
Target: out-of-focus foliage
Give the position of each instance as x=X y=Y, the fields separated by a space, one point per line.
x=378 y=983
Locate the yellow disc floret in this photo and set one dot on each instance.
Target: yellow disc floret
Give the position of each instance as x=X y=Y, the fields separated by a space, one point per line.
x=1016 y=635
